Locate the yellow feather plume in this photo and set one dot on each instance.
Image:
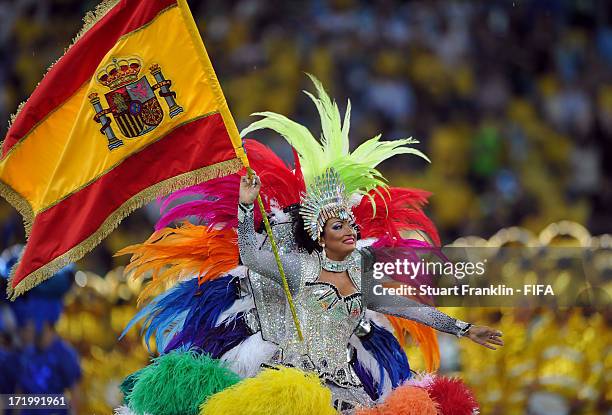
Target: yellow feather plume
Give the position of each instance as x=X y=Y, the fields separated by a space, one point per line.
x=285 y=391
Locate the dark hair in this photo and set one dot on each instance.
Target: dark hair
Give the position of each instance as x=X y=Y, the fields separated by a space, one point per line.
x=302 y=239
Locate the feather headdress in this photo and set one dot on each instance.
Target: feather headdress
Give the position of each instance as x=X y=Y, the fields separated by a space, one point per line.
x=356 y=170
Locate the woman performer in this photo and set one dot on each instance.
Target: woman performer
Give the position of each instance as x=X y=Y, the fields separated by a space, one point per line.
x=333 y=217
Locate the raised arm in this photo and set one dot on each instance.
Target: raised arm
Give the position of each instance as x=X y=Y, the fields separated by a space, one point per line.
x=262 y=261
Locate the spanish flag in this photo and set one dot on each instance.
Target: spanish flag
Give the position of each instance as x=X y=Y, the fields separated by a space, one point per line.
x=132 y=111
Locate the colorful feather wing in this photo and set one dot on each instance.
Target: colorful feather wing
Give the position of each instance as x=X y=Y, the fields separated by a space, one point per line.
x=172 y=255
x=192 y=315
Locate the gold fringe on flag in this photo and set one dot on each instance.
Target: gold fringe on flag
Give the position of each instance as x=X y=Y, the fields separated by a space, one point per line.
x=19 y=203
x=112 y=221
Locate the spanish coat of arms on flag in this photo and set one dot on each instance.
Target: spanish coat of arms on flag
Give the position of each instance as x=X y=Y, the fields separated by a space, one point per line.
x=132 y=111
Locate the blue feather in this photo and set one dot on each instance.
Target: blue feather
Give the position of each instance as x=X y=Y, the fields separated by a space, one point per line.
x=187 y=314
x=367 y=380
x=390 y=356
x=174 y=327
x=224 y=337
x=168 y=314
x=216 y=296
x=200 y=326
x=163 y=310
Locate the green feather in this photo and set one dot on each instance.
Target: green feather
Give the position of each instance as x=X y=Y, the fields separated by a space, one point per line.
x=333 y=140
x=308 y=148
x=373 y=151
x=127 y=386
x=177 y=383
x=346 y=126
x=357 y=169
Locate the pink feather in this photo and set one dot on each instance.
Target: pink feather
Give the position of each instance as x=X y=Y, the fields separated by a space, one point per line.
x=215 y=202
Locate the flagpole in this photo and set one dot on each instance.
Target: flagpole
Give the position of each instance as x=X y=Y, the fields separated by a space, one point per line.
x=234 y=135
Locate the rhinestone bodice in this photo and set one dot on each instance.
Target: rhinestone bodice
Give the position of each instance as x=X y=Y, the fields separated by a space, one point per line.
x=328 y=320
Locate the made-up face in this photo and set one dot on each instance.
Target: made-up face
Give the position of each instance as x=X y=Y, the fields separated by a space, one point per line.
x=339 y=237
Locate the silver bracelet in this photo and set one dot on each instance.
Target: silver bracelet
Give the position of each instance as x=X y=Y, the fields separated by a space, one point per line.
x=464 y=328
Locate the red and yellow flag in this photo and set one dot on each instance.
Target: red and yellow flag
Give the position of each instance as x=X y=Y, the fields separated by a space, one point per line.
x=132 y=111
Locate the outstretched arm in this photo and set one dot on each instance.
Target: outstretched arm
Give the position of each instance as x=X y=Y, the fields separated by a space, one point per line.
x=261 y=261
x=403 y=307
x=400 y=306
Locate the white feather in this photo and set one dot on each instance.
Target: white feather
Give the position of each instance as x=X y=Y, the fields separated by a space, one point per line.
x=380 y=320
x=240 y=305
x=362 y=243
x=355 y=199
x=239 y=271
x=246 y=358
x=370 y=364
x=278 y=216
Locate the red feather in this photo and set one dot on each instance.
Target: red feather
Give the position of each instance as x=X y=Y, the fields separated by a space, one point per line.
x=452 y=396
x=278 y=182
x=401 y=210
x=299 y=176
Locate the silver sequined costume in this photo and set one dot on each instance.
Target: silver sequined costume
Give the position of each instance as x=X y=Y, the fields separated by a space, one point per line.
x=327 y=319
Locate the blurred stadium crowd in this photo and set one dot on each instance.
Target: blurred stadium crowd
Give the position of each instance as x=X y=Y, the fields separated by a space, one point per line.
x=511 y=100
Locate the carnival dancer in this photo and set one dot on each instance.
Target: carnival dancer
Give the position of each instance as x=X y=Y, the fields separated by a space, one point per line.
x=245 y=347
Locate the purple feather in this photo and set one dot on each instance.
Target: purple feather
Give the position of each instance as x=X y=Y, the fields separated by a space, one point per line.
x=367 y=380
x=222 y=338
x=200 y=327
x=185 y=314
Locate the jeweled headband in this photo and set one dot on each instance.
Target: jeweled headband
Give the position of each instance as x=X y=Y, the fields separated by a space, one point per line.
x=326 y=198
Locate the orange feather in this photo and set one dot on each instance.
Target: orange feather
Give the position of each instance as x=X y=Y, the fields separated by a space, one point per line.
x=405 y=400
x=171 y=255
x=423 y=335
